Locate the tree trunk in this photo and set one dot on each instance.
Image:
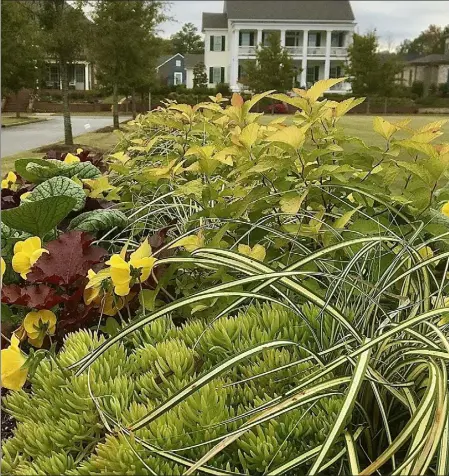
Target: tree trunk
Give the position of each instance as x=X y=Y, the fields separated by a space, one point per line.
x=133 y=103
x=65 y=102
x=115 y=107
x=17 y=105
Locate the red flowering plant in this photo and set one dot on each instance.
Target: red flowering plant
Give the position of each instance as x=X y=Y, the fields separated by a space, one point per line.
x=67 y=283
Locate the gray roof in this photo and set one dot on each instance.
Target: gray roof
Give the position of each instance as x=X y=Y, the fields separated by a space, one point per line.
x=431 y=59
x=191 y=60
x=163 y=59
x=288 y=10
x=215 y=20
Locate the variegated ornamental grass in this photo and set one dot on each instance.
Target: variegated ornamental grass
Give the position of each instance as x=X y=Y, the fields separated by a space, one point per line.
x=297 y=321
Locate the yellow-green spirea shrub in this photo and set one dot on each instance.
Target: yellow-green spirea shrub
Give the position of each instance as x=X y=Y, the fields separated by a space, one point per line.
x=61 y=431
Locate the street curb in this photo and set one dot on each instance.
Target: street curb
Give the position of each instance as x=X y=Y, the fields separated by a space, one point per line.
x=24 y=123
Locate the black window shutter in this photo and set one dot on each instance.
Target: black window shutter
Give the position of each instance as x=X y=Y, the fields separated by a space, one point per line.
x=317 y=73
x=251 y=38
x=223 y=43
x=211 y=43
x=341 y=39
x=222 y=74
x=211 y=75
x=239 y=73
x=240 y=38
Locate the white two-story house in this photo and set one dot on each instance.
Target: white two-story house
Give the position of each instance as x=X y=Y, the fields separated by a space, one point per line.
x=315 y=33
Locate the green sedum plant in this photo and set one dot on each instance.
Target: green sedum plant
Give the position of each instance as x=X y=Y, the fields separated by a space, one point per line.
x=67 y=433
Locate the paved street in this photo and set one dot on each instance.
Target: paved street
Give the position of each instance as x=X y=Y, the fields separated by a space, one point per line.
x=20 y=138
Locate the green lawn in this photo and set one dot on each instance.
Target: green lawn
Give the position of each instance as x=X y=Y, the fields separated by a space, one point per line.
x=356 y=125
x=362 y=126
x=11 y=121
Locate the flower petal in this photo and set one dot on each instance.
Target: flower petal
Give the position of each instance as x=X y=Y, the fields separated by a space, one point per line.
x=120 y=276
x=117 y=261
x=12 y=360
x=122 y=289
x=21 y=264
x=31 y=244
x=143 y=251
x=35 y=255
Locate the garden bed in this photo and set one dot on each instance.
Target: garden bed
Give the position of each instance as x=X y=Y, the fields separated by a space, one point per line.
x=231 y=294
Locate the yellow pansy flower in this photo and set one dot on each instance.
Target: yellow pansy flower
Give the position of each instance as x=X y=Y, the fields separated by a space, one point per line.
x=257 y=251
x=10 y=179
x=79 y=150
x=445 y=209
x=138 y=268
x=13 y=374
x=38 y=324
x=2 y=267
x=95 y=284
x=26 y=253
x=71 y=159
x=97 y=292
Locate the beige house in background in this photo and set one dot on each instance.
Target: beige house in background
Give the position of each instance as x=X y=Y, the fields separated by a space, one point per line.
x=431 y=69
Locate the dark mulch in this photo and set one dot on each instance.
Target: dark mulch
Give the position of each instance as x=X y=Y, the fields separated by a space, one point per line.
x=62 y=148
x=8 y=422
x=111 y=128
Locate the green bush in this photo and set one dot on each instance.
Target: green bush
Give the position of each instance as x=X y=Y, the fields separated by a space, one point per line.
x=418 y=88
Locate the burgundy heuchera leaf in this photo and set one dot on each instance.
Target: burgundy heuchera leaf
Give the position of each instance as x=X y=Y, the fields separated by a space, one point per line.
x=69 y=258
x=38 y=296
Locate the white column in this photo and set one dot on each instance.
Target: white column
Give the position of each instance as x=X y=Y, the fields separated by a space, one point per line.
x=282 y=38
x=234 y=60
x=327 y=61
x=86 y=77
x=259 y=37
x=305 y=43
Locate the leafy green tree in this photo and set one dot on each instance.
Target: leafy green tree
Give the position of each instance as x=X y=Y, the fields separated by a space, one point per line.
x=429 y=41
x=273 y=68
x=65 y=31
x=21 y=52
x=199 y=76
x=187 y=40
x=369 y=71
x=124 y=45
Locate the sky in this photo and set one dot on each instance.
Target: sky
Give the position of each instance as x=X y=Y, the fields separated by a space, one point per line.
x=393 y=20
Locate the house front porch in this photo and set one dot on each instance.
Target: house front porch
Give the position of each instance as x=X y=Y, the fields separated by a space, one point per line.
x=316 y=70
x=80 y=76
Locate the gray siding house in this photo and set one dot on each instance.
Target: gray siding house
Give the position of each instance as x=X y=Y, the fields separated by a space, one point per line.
x=171 y=69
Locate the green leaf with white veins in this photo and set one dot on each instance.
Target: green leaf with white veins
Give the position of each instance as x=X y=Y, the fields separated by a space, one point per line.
x=57 y=186
x=39 y=217
x=97 y=220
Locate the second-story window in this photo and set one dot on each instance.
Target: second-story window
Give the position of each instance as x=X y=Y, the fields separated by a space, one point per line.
x=315 y=39
x=293 y=38
x=217 y=43
x=338 y=39
x=247 y=38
